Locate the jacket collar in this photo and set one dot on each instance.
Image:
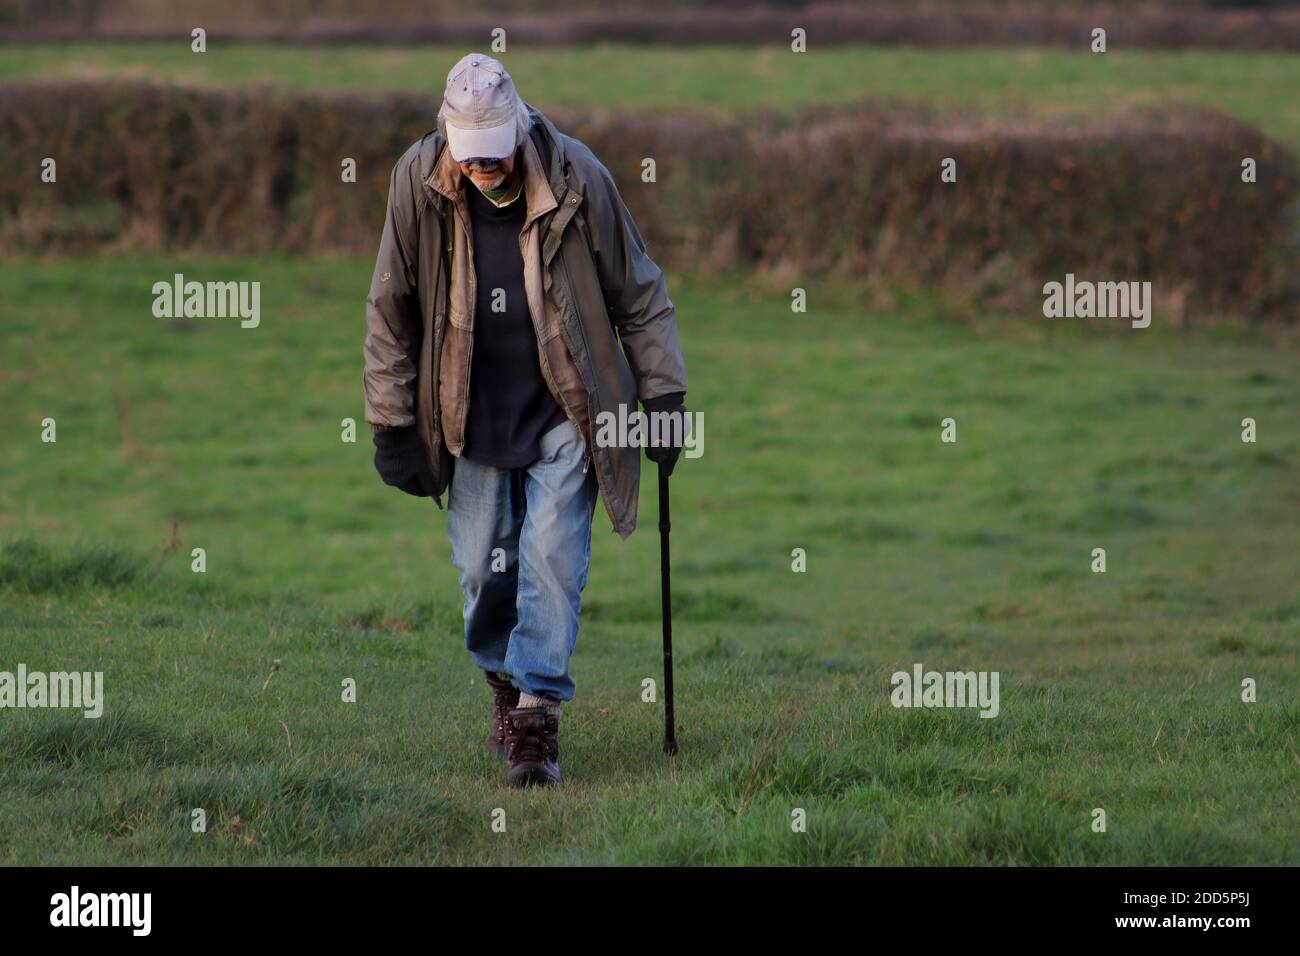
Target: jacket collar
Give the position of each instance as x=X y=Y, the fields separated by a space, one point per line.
x=550 y=147
x=542 y=185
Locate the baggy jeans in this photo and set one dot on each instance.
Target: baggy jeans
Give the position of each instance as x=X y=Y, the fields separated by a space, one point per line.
x=521 y=540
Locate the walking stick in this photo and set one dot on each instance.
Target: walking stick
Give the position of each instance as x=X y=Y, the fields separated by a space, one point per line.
x=670 y=729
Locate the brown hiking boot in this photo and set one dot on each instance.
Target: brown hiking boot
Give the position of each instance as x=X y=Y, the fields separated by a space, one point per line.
x=533 y=747
x=505 y=697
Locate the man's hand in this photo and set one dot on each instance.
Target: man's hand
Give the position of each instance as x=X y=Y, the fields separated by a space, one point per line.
x=401 y=461
x=670 y=437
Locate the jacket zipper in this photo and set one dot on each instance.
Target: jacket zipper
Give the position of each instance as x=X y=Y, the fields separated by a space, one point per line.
x=439 y=333
x=470 y=308
x=568 y=283
x=562 y=401
x=550 y=378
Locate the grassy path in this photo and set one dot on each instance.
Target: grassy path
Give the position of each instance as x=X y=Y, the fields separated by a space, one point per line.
x=1118 y=690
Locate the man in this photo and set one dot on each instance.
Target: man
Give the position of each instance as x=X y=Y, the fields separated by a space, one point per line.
x=512 y=303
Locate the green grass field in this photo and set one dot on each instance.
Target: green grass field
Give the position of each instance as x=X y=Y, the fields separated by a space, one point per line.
x=1118 y=690
x=1258 y=88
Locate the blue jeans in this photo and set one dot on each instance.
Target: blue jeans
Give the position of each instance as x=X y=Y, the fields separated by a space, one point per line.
x=521 y=540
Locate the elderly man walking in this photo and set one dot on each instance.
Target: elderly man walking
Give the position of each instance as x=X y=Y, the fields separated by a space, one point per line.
x=513 y=303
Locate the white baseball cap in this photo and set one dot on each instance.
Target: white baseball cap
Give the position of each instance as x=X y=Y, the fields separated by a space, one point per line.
x=479 y=109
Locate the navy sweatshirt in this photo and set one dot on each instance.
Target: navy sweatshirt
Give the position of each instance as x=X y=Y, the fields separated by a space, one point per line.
x=510 y=407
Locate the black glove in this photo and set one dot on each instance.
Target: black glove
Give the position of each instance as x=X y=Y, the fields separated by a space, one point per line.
x=401 y=461
x=666 y=455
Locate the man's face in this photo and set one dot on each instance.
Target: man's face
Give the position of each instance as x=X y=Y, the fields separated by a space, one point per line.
x=489 y=173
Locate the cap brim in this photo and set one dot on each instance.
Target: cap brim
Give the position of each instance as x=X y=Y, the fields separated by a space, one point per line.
x=497 y=142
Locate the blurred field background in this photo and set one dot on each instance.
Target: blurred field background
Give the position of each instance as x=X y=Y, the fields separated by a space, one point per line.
x=1118 y=690
x=1248 y=24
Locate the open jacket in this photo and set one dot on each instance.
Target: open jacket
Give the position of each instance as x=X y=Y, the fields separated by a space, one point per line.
x=606 y=329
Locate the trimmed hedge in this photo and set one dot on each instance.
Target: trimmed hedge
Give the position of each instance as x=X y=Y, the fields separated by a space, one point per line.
x=1152 y=197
